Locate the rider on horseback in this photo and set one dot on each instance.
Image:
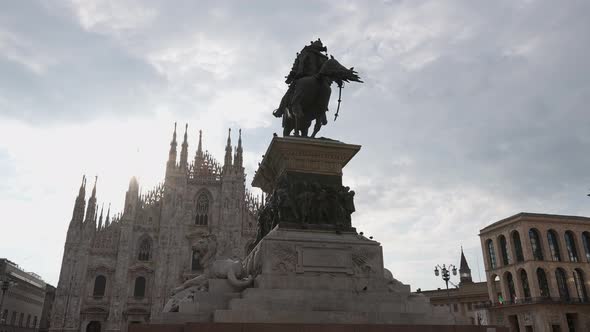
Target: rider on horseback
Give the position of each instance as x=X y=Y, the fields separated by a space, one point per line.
x=308 y=63
x=308 y=95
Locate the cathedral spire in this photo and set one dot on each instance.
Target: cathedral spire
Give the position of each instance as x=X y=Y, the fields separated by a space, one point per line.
x=184 y=149
x=80 y=204
x=464 y=270
x=100 y=218
x=199 y=154
x=107 y=221
x=82 y=191
x=91 y=211
x=172 y=153
x=200 y=147
x=227 y=159
x=239 y=160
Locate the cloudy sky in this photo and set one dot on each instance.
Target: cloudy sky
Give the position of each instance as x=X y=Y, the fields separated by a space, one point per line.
x=471 y=111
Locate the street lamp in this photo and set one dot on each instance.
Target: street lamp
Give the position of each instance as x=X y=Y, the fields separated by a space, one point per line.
x=445 y=273
x=5 y=284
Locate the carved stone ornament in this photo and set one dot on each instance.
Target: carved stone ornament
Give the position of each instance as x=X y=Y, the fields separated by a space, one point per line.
x=284 y=258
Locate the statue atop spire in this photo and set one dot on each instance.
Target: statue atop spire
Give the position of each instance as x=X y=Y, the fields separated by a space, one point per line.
x=107 y=221
x=227 y=161
x=239 y=159
x=82 y=191
x=184 y=149
x=200 y=147
x=172 y=154
x=80 y=203
x=91 y=210
x=100 y=218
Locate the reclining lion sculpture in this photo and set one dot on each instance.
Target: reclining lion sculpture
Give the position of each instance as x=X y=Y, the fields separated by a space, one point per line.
x=225 y=268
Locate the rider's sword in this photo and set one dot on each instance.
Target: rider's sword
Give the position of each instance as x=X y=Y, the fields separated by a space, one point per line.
x=339 y=100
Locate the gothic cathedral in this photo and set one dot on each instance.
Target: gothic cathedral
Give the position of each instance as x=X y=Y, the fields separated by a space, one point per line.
x=120 y=270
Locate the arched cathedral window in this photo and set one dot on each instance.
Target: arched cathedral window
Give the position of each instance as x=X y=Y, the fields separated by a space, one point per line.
x=145 y=250
x=100 y=284
x=139 y=288
x=202 y=217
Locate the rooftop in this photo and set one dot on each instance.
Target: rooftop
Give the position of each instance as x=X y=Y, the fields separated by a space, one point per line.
x=534 y=217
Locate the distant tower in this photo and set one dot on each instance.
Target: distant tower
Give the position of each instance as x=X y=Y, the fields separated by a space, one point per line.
x=464 y=270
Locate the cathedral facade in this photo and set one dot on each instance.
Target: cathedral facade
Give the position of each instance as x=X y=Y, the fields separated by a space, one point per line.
x=121 y=270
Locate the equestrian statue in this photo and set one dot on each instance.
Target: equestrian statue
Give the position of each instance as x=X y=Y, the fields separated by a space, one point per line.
x=308 y=95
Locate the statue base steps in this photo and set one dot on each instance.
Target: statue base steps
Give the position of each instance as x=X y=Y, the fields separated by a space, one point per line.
x=313 y=277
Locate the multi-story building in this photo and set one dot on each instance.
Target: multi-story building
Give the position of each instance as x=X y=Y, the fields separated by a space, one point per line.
x=537 y=268
x=117 y=271
x=47 y=307
x=23 y=299
x=465 y=300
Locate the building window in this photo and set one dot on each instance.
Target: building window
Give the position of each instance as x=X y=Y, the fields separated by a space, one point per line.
x=202 y=210
x=20 y=319
x=517 y=246
x=4 y=317
x=455 y=307
x=562 y=284
x=580 y=287
x=586 y=243
x=553 y=245
x=510 y=284
x=100 y=284
x=35 y=321
x=570 y=244
x=536 y=244
x=525 y=284
x=28 y=321
x=504 y=250
x=469 y=306
x=13 y=318
x=491 y=253
x=543 y=285
x=145 y=249
x=139 y=289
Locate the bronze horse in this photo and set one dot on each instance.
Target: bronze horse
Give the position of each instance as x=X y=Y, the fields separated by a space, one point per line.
x=310 y=98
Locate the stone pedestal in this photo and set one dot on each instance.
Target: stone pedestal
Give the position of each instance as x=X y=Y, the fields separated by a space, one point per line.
x=311 y=276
